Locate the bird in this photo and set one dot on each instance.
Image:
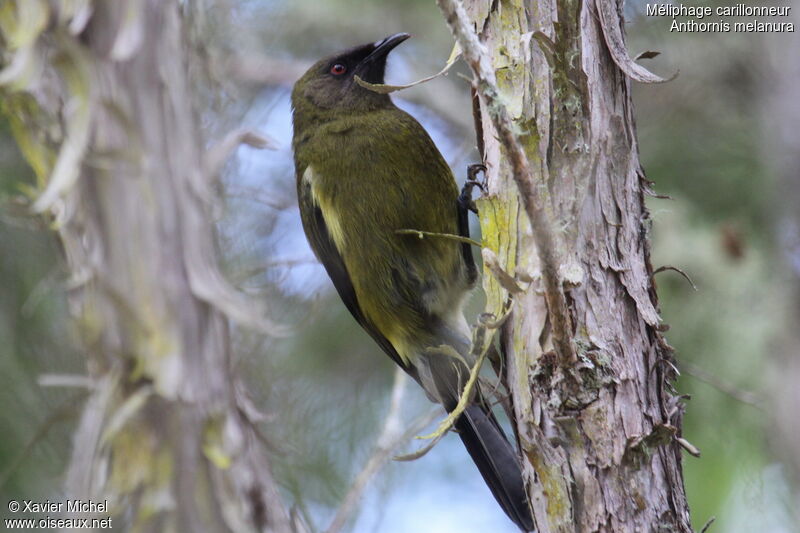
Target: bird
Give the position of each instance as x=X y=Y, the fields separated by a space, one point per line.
x=365 y=171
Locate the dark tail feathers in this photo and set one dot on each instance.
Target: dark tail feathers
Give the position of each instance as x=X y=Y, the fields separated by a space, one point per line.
x=497 y=462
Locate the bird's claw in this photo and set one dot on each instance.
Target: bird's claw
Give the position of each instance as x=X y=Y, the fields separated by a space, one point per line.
x=472 y=172
x=465 y=198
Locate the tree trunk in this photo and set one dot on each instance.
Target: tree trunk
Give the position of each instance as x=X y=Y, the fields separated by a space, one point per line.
x=587 y=367
x=100 y=101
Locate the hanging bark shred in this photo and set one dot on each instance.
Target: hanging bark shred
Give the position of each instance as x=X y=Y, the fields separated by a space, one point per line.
x=600 y=437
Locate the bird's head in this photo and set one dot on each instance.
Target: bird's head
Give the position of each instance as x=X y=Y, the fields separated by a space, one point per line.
x=331 y=85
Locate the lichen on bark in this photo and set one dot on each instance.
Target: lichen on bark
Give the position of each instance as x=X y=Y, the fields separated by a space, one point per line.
x=599 y=436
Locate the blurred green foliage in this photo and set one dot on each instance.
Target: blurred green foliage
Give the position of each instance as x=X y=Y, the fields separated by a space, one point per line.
x=35 y=339
x=701 y=142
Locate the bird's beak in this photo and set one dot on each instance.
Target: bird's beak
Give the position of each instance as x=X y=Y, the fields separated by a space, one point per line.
x=371 y=68
x=384 y=46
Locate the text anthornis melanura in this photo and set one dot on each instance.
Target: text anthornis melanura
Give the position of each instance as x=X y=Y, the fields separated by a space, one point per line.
x=366 y=169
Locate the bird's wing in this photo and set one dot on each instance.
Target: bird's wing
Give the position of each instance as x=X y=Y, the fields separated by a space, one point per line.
x=321 y=242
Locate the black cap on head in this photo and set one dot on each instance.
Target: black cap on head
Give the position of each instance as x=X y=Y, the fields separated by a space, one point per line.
x=373 y=67
x=331 y=84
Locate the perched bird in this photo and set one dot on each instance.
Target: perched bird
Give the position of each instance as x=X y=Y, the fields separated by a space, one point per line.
x=365 y=169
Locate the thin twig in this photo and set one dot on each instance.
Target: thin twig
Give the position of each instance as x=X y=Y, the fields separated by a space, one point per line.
x=382 y=88
x=679 y=271
x=690 y=448
x=505 y=279
x=387 y=441
x=480 y=348
x=465 y=398
x=422 y=234
x=478 y=60
x=413 y=456
x=77 y=381
x=708 y=524
x=723 y=386
x=216 y=155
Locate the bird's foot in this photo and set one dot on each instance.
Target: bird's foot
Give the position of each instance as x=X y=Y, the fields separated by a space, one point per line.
x=473 y=170
x=465 y=198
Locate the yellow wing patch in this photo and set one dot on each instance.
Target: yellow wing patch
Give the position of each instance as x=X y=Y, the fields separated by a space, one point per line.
x=383 y=321
x=332 y=220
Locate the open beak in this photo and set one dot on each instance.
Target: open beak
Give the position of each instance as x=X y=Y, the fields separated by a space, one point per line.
x=384 y=46
x=372 y=67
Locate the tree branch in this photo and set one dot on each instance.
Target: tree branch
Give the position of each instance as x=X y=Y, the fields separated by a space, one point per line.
x=476 y=57
x=387 y=442
x=422 y=234
x=725 y=387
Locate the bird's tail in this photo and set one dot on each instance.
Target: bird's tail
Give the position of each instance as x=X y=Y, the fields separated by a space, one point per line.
x=443 y=379
x=497 y=462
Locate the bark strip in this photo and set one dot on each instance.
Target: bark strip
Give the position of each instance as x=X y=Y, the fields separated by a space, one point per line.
x=477 y=59
x=601 y=437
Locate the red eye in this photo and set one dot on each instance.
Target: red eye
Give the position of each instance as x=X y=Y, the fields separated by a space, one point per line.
x=338 y=69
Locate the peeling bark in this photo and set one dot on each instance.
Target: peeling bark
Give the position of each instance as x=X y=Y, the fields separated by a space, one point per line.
x=101 y=106
x=599 y=437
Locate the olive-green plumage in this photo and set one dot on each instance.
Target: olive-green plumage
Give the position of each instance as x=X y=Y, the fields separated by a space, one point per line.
x=373 y=174
x=366 y=169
